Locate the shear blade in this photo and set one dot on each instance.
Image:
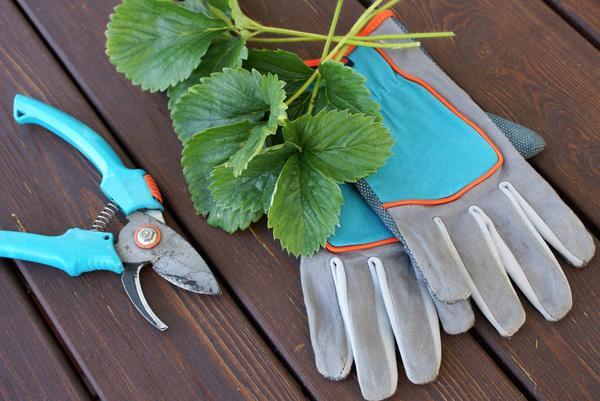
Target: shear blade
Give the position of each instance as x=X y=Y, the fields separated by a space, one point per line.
x=173 y=258
x=131 y=282
x=195 y=277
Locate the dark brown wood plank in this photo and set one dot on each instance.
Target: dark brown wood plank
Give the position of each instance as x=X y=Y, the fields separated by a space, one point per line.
x=210 y=352
x=521 y=60
x=557 y=360
x=33 y=365
x=263 y=278
x=584 y=15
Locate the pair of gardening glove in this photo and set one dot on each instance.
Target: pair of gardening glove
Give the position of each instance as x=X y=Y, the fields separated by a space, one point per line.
x=460 y=214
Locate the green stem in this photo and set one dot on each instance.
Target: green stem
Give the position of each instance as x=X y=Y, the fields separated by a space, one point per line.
x=290 y=32
x=358 y=25
x=398 y=36
x=386 y=6
x=301 y=90
x=313 y=95
x=302 y=34
x=356 y=40
x=334 y=21
x=330 y=35
x=287 y=39
x=353 y=31
x=351 y=39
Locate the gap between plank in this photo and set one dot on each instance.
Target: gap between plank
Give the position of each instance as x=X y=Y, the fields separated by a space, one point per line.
x=573 y=22
x=514 y=379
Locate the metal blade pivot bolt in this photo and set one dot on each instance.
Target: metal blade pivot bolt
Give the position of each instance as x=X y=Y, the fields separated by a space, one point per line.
x=147 y=236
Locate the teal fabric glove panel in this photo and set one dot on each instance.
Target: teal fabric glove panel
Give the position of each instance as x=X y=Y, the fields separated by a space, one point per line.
x=424 y=128
x=359 y=224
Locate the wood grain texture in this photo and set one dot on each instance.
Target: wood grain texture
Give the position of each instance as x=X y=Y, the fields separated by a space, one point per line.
x=210 y=352
x=265 y=280
x=521 y=60
x=557 y=360
x=32 y=366
x=584 y=15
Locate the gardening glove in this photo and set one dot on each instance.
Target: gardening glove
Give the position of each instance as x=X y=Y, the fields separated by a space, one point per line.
x=365 y=298
x=362 y=295
x=469 y=209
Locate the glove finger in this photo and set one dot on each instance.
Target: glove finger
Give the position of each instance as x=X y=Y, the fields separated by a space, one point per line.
x=411 y=313
x=369 y=329
x=439 y=264
x=553 y=219
x=534 y=268
x=456 y=318
x=433 y=263
x=332 y=349
x=490 y=286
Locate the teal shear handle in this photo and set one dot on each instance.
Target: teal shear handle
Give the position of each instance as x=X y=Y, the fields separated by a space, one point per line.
x=125 y=187
x=75 y=252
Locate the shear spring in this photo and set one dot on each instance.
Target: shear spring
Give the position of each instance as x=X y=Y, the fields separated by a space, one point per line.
x=105 y=217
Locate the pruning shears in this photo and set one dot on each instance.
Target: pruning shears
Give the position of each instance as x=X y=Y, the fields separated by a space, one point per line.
x=144 y=240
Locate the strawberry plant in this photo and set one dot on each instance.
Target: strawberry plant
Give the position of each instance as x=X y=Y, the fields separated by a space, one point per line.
x=262 y=132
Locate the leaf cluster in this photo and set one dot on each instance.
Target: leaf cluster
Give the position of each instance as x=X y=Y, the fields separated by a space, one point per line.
x=245 y=155
x=262 y=132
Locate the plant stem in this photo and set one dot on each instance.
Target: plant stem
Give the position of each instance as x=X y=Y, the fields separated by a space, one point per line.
x=336 y=17
x=306 y=35
x=364 y=43
x=290 y=32
x=355 y=40
x=349 y=39
x=358 y=25
x=353 y=31
x=380 y=45
x=301 y=90
x=388 y=5
x=398 y=36
x=334 y=21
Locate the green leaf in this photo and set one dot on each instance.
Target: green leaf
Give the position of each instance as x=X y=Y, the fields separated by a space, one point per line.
x=253 y=189
x=341 y=145
x=344 y=89
x=205 y=6
x=222 y=5
x=203 y=152
x=232 y=220
x=200 y=6
x=271 y=90
x=253 y=145
x=212 y=8
x=228 y=97
x=341 y=88
x=305 y=209
x=286 y=65
x=158 y=43
x=222 y=53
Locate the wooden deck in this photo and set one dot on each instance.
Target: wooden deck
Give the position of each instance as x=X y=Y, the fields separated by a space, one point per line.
x=62 y=338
